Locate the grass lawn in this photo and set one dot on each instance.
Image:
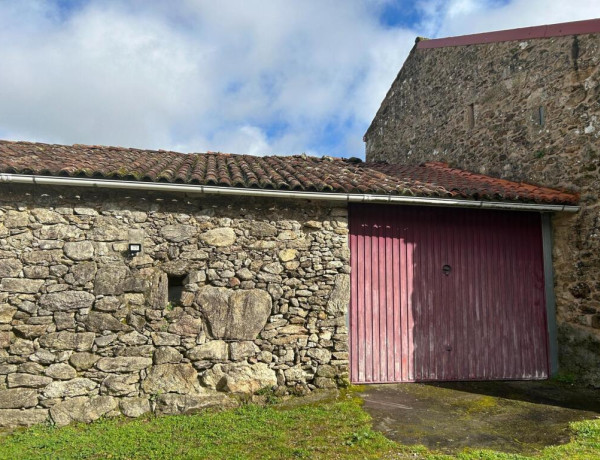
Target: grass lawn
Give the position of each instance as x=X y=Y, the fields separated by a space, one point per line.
x=328 y=430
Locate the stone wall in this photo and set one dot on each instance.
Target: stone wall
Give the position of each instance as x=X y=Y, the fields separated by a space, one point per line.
x=228 y=296
x=535 y=109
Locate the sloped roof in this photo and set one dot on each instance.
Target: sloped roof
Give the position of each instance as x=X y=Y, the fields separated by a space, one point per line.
x=590 y=26
x=465 y=184
x=298 y=172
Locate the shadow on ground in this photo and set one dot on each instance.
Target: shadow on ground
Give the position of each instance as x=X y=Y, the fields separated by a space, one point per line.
x=520 y=417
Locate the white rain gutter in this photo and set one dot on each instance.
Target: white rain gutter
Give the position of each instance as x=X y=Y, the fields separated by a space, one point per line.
x=236 y=191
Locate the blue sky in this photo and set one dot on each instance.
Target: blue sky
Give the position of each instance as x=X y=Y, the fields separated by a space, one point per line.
x=245 y=76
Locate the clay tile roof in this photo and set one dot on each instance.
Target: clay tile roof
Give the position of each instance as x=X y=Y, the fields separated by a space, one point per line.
x=464 y=184
x=296 y=173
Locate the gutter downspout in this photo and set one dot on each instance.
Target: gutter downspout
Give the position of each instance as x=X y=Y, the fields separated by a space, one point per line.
x=552 y=328
x=236 y=191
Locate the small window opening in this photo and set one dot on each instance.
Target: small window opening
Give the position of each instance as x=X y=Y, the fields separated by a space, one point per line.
x=471 y=116
x=175 y=288
x=541 y=116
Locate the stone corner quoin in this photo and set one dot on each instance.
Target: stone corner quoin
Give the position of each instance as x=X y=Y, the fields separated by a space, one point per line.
x=227 y=296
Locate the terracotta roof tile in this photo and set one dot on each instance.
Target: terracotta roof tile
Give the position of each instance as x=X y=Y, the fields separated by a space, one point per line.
x=464 y=184
x=298 y=173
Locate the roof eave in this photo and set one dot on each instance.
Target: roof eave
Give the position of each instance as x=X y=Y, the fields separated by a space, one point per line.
x=269 y=193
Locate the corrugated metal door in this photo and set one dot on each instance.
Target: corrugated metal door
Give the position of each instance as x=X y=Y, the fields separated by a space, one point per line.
x=446 y=294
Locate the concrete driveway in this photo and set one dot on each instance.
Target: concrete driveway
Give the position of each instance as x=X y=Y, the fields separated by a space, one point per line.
x=515 y=417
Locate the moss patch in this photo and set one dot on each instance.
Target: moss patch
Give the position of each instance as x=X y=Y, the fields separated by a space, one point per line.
x=513 y=417
x=482 y=404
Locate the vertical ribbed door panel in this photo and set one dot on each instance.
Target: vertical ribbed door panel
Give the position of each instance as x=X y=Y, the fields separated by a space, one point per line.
x=446 y=294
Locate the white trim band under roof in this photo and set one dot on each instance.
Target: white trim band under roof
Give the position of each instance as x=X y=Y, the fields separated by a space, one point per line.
x=238 y=191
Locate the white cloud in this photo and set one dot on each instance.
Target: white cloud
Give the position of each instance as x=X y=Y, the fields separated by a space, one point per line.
x=248 y=139
x=197 y=76
x=460 y=17
x=245 y=76
x=100 y=77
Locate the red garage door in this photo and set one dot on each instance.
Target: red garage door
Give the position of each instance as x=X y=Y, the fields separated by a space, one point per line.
x=446 y=294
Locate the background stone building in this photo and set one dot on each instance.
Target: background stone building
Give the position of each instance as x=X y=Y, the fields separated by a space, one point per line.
x=522 y=105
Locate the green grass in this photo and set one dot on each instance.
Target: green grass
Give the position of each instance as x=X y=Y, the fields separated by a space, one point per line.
x=329 y=430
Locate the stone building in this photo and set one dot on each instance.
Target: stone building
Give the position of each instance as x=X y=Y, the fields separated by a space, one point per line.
x=523 y=105
x=135 y=281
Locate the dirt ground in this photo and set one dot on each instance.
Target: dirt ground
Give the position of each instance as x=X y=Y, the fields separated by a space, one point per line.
x=520 y=417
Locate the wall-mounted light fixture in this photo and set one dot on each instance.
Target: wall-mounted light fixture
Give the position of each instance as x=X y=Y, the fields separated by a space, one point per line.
x=136 y=240
x=135 y=248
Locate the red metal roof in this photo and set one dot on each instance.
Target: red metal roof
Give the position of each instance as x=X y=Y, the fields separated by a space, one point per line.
x=591 y=26
x=298 y=172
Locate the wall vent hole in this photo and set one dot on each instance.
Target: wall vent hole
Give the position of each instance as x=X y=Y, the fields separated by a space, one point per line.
x=471 y=116
x=175 y=288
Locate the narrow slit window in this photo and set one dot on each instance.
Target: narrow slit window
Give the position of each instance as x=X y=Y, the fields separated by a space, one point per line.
x=471 y=116
x=541 y=116
x=175 y=288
